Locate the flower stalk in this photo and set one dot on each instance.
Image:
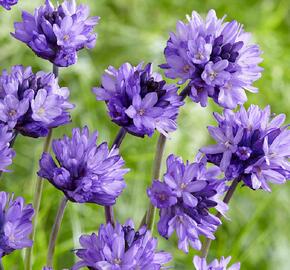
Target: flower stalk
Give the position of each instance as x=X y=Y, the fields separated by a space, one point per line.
x=38 y=193
x=55 y=230
x=206 y=246
x=109 y=211
x=150 y=215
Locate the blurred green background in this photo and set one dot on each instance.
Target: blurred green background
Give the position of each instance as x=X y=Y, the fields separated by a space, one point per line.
x=258 y=232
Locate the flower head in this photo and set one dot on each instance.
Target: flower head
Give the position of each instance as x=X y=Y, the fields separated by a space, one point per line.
x=6 y=153
x=251 y=145
x=184 y=199
x=216 y=57
x=15 y=224
x=7 y=4
x=120 y=248
x=139 y=100
x=32 y=103
x=86 y=172
x=56 y=34
x=201 y=264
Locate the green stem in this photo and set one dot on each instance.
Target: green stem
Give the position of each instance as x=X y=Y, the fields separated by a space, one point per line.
x=151 y=212
x=54 y=231
x=36 y=204
x=109 y=210
x=206 y=245
x=38 y=194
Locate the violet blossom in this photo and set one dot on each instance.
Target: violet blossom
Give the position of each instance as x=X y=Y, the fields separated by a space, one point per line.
x=58 y=33
x=31 y=104
x=16 y=224
x=86 y=172
x=139 y=100
x=120 y=248
x=252 y=145
x=215 y=57
x=222 y=264
x=184 y=199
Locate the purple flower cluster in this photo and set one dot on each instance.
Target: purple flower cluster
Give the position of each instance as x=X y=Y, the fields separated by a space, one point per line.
x=252 y=146
x=6 y=153
x=32 y=103
x=120 y=248
x=201 y=264
x=15 y=224
x=7 y=4
x=216 y=58
x=56 y=34
x=86 y=172
x=139 y=100
x=185 y=197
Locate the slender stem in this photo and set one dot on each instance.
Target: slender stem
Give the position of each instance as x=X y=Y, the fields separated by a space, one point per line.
x=227 y=198
x=1 y=265
x=109 y=211
x=38 y=194
x=36 y=204
x=109 y=214
x=150 y=216
x=55 y=71
x=119 y=138
x=55 y=230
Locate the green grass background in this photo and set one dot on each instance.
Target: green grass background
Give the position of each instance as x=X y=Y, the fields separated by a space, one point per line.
x=258 y=232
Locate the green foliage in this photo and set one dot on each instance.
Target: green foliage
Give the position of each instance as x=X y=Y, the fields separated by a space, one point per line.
x=258 y=232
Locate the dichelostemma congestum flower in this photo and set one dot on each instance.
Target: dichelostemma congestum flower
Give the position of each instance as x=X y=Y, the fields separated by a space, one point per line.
x=85 y=172
x=252 y=146
x=16 y=224
x=215 y=57
x=31 y=104
x=120 y=248
x=58 y=33
x=184 y=199
x=139 y=100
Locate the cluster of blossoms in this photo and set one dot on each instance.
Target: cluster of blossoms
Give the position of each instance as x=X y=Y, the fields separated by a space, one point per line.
x=6 y=153
x=31 y=104
x=185 y=197
x=120 y=248
x=7 y=4
x=200 y=264
x=139 y=100
x=87 y=172
x=216 y=58
x=56 y=34
x=252 y=146
x=15 y=224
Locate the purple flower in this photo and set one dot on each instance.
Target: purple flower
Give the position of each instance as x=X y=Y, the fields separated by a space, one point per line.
x=201 y=264
x=56 y=34
x=8 y=3
x=139 y=100
x=215 y=57
x=185 y=197
x=120 y=248
x=6 y=153
x=32 y=103
x=87 y=172
x=252 y=146
x=15 y=224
